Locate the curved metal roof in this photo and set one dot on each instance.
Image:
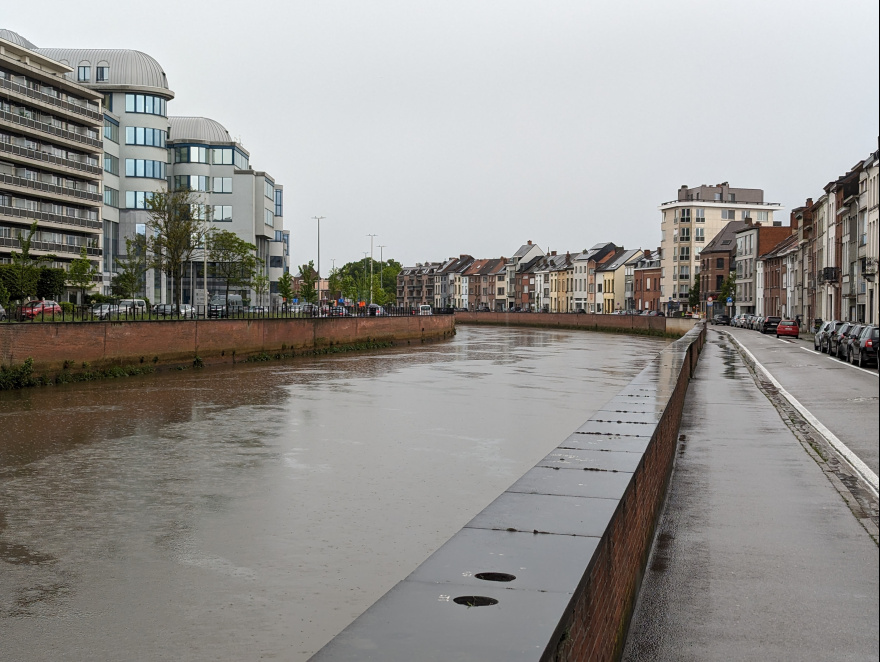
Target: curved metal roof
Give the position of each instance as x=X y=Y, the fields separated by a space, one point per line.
x=17 y=39
x=127 y=67
x=198 y=129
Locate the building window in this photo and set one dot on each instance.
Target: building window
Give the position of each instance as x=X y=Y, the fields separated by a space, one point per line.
x=700 y=216
x=191 y=154
x=685 y=234
x=145 y=168
x=111 y=130
x=221 y=156
x=83 y=73
x=102 y=74
x=111 y=164
x=728 y=214
x=699 y=234
x=279 y=202
x=108 y=102
x=137 y=199
x=222 y=185
x=685 y=215
x=111 y=197
x=276 y=262
x=191 y=182
x=744 y=214
x=268 y=217
x=139 y=135
x=684 y=253
x=719 y=263
x=145 y=103
x=731 y=197
x=240 y=160
x=222 y=213
x=717 y=196
x=269 y=190
x=762 y=215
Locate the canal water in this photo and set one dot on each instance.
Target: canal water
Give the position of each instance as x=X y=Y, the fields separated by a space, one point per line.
x=253 y=511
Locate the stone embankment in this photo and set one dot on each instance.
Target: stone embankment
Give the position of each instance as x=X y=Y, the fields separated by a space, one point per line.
x=637 y=324
x=57 y=346
x=551 y=569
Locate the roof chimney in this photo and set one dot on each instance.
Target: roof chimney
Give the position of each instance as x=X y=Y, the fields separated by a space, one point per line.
x=552 y=252
x=529 y=242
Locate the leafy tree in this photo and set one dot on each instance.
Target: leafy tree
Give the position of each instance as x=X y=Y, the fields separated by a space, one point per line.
x=285 y=286
x=130 y=268
x=334 y=283
x=51 y=283
x=177 y=227
x=728 y=289
x=308 y=281
x=261 y=286
x=694 y=294
x=81 y=274
x=234 y=260
x=4 y=295
x=25 y=268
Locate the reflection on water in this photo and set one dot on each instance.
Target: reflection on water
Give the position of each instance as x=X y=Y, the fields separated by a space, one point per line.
x=253 y=511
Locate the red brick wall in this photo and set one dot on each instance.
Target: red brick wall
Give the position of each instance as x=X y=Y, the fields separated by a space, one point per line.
x=602 y=609
x=120 y=343
x=566 y=320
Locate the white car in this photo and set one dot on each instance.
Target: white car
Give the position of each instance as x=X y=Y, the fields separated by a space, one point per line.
x=425 y=310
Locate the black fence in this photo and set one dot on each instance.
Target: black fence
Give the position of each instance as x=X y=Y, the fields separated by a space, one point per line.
x=50 y=311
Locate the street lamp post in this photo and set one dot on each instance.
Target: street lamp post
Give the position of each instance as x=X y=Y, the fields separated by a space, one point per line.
x=319 y=219
x=371 y=236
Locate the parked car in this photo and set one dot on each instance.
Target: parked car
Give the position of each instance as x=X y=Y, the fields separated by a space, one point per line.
x=830 y=330
x=844 y=348
x=257 y=310
x=103 y=311
x=818 y=335
x=2 y=313
x=769 y=324
x=338 y=311
x=375 y=310
x=864 y=348
x=424 y=309
x=788 y=328
x=721 y=320
x=835 y=338
x=40 y=310
x=132 y=307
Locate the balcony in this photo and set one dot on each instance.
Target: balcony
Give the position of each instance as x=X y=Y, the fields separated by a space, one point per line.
x=15 y=212
x=85 y=111
x=831 y=274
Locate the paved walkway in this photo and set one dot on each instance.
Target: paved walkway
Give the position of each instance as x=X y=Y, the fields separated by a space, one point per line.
x=757 y=556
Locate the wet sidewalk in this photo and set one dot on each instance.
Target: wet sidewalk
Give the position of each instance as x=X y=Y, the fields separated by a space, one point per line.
x=757 y=555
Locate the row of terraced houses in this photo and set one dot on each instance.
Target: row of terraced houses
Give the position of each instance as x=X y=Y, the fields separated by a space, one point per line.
x=86 y=138
x=822 y=264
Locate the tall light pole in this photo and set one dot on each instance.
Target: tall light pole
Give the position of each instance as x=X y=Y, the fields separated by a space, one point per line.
x=381 y=267
x=371 y=236
x=319 y=219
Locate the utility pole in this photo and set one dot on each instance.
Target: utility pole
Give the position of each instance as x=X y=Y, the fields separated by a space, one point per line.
x=371 y=236
x=319 y=219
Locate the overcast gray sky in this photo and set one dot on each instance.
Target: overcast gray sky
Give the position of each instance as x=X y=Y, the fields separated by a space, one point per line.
x=452 y=126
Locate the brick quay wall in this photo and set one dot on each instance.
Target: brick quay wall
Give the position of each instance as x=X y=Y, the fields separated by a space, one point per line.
x=550 y=570
x=106 y=344
x=638 y=324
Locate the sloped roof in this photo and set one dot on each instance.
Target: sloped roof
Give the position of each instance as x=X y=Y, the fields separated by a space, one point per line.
x=727 y=234
x=16 y=39
x=198 y=129
x=127 y=67
x=522 y=250
x=620 y=258
x=781 y=248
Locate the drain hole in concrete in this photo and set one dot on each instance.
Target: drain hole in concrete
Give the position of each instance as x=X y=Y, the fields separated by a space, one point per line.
x=474 y=601
x=495 y=576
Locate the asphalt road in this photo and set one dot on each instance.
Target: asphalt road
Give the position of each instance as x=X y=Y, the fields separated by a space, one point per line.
x=757 y=555
x=842 y=396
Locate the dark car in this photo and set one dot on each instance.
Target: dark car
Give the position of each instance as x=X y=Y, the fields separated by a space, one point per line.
x=836 y=337
x=844 y=347
x=769 y=324
x=828 y=331
x=722 y=320
x=863 y=350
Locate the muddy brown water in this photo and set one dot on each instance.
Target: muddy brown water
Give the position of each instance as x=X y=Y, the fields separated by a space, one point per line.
x=251 y=512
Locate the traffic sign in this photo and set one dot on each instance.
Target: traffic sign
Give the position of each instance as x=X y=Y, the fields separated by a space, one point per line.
x=729 y=299
x=709 y=299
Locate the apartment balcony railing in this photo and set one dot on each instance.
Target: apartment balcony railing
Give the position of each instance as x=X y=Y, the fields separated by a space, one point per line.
x=51 y=247
x=831 y=274
x=40 y=216
x=21 y=120
x=9 y=148
x=51 y=188
x=84 y=110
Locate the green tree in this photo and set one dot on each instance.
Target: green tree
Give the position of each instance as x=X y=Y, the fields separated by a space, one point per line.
x=728 y=289
x=177 y=227
x=4 y=295
x=285 y=286
x=334 y=283
x=233 y=259
x=307 y=283
x=81 y=274
x=25 y=268
x=130 y=268
x=694 y=294
x=261 y=286
x=51 y=283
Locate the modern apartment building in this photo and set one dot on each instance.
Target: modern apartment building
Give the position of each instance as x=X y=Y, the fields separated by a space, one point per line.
x=50 y=156
x=694 y=219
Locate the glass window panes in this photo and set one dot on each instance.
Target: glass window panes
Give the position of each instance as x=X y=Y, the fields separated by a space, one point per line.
x=241 y=161
x=144 y=168
x=137 y=200
x=111 y=164
x=83 y=73
x=191 y=182
x=138 y=135
x=221 y=156
x=102 y=74
x=111 y=129
x=145 y=103
x=223 y=213
x=268 y=217
x=279 y=202
x=111 y=197
x=191 y=154
x=222 y=184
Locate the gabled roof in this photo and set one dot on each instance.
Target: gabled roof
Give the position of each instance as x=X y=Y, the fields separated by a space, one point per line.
x=522 y=250
x=724 y=241
x=783 y=247
x=597 y=252
x=621 y=257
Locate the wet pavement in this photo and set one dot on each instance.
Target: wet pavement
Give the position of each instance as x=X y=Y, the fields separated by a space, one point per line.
x=757 y=555
x=251 y=512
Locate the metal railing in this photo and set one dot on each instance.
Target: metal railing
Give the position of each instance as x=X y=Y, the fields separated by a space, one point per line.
x=22 y=120
x=37 y=185
x=69 y=106
x=50 y=218
x=49 y=158
x=51 y=247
